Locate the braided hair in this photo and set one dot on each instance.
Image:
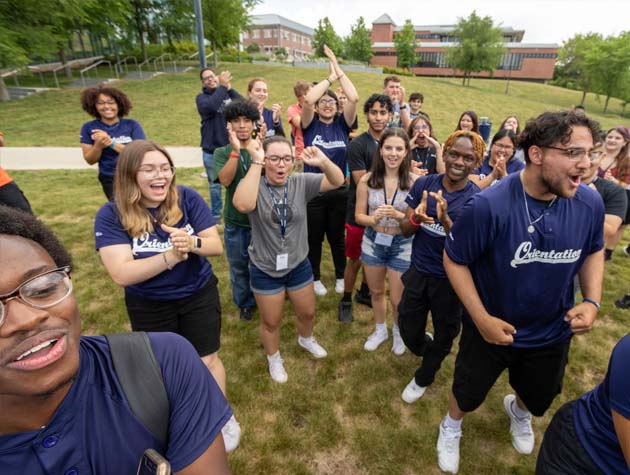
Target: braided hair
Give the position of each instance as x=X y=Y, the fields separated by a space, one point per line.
x=479 y=146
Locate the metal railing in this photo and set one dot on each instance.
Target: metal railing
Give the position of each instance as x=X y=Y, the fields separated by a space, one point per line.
x=103 y=61
x=123 y=62
x=147 y=63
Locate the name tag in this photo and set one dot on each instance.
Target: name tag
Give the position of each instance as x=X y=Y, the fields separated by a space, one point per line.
x=384 y=239
x=282 y=261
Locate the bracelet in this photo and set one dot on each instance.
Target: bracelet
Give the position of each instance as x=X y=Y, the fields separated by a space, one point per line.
x=111 y=145
x=259 y=162
x=168 y=266
x=594 y=302
x=235 y=155
x=413 y=222
x=329 y=82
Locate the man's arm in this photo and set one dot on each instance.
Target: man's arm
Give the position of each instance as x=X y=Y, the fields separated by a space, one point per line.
x=622 y=429
x=212 y=462
x=591 y=275
x=228 y=164
x=209 y=104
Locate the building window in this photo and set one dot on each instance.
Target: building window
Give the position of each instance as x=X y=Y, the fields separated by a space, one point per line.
x=285 y=35
x=256 y=34
x=245 y=35
x=267 y=33
x=432 y=60
x=275 y=33
x=511 y=62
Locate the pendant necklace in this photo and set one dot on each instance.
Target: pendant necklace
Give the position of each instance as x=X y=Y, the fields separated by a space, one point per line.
x=530 y=228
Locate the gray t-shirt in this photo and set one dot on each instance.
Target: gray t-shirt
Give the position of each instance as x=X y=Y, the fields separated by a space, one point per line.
x=266 y=241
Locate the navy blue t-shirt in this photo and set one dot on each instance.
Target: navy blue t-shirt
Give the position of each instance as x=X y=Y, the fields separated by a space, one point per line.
x=428 y=242
x=331 y=138
x=527 y=279
x=272 y=129
x=123 y=132
x=592 y=416
x=94 y=431
x=185 y=278
x=512 y=166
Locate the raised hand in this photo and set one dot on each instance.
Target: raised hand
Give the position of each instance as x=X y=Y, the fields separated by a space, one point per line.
x=277 y=110
x=499 y=170
x=414 y=140
x=255 y=149
x=420 y=213
x=234 y=141
x=313 y=156
x=225 y=79
x=441 y=207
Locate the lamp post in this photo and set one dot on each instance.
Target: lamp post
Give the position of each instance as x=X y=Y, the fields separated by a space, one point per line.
x=200 y=39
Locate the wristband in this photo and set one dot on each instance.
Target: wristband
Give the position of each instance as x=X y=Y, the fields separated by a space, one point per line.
x=413 y=222
x=258 y=162
x=111 y=145
x=234 y=155
x=594 y=302
x=329 y=82
x=168 y=266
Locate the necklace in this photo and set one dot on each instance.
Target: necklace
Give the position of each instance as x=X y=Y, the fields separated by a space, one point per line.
x=530 y=228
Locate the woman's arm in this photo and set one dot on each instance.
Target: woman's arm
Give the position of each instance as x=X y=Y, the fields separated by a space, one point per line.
x=333 y=176
x=350 y=109
x=361 y=209
x=246 y=192
x=311 y=98
x=184 y=243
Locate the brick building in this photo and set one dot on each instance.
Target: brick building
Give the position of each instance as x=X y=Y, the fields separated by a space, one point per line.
x=529 y=61
x=271 y=32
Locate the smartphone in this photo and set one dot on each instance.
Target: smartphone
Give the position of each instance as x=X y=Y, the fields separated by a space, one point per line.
x=153 y=463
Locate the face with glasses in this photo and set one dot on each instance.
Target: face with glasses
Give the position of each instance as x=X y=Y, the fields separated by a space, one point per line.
x=422 y=130
x=278 y=162
x=209 y=80
x=326 y=108
x=154 y=177
x=502 y=149
x=39 y=322
x=107 y=107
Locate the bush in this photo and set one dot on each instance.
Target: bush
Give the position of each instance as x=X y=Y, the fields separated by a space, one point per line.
x=397 y=71
x=230 y=55
x=253 y=48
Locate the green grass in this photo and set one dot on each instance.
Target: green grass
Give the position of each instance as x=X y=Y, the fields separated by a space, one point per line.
x=341 y=415
x=165 y=105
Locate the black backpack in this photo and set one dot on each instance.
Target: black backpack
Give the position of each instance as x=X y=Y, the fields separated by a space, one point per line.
x=140 y=376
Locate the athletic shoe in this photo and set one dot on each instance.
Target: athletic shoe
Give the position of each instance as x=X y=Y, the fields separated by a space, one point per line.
x=203 y=175
x=413 y=392
x=247 y=314
x=375 y=340
x=231 y=434
x=319 y=288
x=345 y=312
x=276 y=368
x=448 y=449
x=363 y=298
x=398 y=347
x=626 y=250
x=310 y=344
x=521 y=429
x=623 y=302
x=339 y=286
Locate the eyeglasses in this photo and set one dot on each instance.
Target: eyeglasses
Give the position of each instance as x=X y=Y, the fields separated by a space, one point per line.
x=206 y=78
x=42 y=291
x=276 y=159
x=453 y=155
x=575 y=154
x=152 y=172
x=500 y=146
x=105 y=103
x=326 y=102
x=420 y=128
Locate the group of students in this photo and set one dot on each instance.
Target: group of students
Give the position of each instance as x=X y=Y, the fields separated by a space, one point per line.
x=394 y=201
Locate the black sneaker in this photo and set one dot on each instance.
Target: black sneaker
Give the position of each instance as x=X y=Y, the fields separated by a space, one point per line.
x=345 y=312
x=623 y=302
x=626 y=250
x=608 y=253
x=247 y=313
x=363 y=297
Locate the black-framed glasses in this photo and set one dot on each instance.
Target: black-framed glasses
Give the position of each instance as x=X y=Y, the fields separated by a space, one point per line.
x=288 y=159
x=575 y=154
x=42 y=291
x=153 y=172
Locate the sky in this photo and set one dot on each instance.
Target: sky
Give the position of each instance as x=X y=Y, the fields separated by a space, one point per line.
x=544 y=21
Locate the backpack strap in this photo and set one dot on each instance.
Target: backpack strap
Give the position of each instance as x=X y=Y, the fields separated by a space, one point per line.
x=140 y=376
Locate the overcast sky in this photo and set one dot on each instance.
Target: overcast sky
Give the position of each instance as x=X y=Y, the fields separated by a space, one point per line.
x=544 y=21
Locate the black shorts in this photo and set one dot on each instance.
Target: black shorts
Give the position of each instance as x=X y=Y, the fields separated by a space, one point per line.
x=627 y=218
x=561 y=451
x=107 y=183
x=535 y=373
x=197 y=318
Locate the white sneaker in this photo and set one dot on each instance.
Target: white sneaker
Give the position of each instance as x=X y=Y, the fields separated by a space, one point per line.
x=520 y=429
x=319 y=288
x=448 y=449
x=398 y=347
x=375 y=339
x=413 y=392
x=231 y=434
x=339 y=286
x=310 y=344
x=276 y=368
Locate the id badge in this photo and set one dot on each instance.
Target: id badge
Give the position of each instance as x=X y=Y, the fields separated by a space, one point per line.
x=384 y=239
x=282 y=261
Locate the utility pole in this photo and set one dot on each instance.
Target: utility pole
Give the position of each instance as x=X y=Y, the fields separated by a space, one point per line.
x=200 y=39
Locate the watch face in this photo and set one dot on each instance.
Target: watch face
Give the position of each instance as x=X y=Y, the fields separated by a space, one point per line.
x=198 y=243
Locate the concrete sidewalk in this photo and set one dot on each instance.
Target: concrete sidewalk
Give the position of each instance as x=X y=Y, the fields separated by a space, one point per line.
x=43 y=158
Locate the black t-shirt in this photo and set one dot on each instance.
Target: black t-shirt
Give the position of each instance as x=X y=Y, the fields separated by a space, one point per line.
x=359 y=156
x=614 y=197
x=427 y=157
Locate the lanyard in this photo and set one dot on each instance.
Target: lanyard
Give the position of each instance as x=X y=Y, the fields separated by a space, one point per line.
x=282 y=217
x=243 y=166
x=385 y=192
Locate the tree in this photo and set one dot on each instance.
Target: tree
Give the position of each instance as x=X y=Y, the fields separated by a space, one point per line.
x=571 y=71
x=358 y=45
x=607 y=64
x=479 y=46
x=253 y=48
x=325 y=35
x=281 y=53
x=223 y=20
x=405 y=44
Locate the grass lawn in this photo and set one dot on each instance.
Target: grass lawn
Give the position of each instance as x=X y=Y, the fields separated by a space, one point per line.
x=341 y=415
x=165 y=105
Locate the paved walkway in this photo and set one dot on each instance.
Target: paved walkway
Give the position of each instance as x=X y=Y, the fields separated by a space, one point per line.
x=42 y=158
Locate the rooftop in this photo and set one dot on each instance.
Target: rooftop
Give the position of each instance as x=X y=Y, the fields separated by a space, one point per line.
x=273 y=20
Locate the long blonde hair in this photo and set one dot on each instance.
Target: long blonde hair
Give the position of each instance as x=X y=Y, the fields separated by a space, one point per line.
x=135 y=218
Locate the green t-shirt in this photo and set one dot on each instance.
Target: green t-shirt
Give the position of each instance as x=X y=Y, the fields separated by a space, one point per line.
x=231 y=215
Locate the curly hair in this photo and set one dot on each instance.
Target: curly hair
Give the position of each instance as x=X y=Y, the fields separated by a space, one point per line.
x=549 y=128
x=382 y=99
x=479 y=146
x=15 y=222
x=89 y=97
x=241 y=108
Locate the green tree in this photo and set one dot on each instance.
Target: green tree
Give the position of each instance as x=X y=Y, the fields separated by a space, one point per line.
x=325 y=35
x=570 y=70
x=405 y=44
x=479 y=46
x=607 y=63
x=358 y=45
x=253 y=48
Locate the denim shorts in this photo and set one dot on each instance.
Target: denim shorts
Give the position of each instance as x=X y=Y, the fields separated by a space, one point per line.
x=264 y=284
x=396 y=257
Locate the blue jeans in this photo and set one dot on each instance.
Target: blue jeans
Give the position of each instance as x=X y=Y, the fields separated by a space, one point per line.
x=236 y=243
x=215 y=188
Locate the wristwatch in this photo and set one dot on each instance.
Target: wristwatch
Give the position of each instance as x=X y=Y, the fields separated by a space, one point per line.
x=197 y=242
